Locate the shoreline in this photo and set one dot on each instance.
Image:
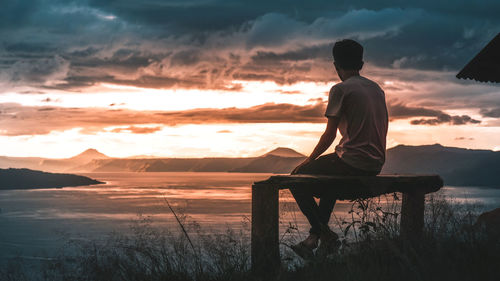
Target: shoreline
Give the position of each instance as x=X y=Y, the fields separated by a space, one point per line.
x=19 y=179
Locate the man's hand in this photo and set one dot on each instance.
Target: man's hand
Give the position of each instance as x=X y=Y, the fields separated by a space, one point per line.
x=305 y=162
x=324 y=142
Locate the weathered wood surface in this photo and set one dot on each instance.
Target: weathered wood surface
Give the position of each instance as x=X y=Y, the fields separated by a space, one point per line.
x=412 y=215
x=265 y=229
x=354 y=187
x=265 y=206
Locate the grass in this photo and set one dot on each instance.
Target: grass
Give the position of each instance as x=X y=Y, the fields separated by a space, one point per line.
x=452 y=248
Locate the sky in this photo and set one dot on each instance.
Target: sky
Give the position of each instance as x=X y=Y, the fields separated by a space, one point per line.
x=233 y=78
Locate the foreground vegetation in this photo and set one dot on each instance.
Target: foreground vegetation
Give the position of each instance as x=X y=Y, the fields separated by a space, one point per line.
x=452 y=248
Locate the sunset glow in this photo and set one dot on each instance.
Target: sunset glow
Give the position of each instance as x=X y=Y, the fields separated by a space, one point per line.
x=244 y=90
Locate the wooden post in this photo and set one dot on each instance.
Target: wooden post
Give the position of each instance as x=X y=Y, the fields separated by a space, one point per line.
x=412 y=215
x=265 y=229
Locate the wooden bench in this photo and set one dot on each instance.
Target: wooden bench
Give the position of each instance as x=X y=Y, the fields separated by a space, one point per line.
x=265 y=205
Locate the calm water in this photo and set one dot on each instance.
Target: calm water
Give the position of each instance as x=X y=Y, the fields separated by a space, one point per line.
x=34 y=222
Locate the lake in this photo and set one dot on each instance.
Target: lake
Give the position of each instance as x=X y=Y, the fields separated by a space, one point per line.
x=34 y=223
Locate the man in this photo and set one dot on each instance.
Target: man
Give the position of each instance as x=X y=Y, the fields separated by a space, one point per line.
x=356 y=106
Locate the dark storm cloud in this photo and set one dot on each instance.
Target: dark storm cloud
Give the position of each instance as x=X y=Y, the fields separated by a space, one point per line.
x=308 y=53
x=219 y=14
x=398 y=110
x=495 y=112
x=207 y=44
x=446 y=119
x=443 y=35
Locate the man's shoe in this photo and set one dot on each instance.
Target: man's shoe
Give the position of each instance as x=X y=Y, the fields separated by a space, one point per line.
x=305 y=248
x=303 y=251
x=329 y=243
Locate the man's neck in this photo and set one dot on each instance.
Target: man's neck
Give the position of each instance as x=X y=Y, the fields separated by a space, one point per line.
x=349 y=73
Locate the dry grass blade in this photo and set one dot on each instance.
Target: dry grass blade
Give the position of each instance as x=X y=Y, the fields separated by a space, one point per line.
x=180 y=224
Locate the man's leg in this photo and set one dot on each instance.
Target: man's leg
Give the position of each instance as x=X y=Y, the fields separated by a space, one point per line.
x=319 y=215
x=328 y=164
x=316 y=215
x=308 y=207
x=325 y=208
x=337 y=167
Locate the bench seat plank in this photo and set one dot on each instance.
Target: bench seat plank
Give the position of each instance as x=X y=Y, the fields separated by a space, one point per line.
x=354 y=187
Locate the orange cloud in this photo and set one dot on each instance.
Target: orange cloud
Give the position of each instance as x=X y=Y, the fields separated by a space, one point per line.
x=38 y=120
x=35 y=120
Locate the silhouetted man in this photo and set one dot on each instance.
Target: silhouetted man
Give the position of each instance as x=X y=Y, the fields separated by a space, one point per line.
x=356 y=106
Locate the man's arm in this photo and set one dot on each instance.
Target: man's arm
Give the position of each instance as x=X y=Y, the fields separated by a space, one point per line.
x=324 y=142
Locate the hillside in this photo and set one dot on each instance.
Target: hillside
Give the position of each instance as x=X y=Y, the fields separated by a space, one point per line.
x=270 y=164
x=88 y=155
x=280 y=160
x=284 y=152
x=49 y=164
x=68 y=164
x=457 y=166
x=164 y=165
x=28 y=179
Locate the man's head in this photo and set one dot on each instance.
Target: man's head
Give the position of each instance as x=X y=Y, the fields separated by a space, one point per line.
x=348 y=57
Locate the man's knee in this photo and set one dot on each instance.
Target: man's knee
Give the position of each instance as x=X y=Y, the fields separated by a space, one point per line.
x=308 y=168
x=301 y=170
x=300 y=192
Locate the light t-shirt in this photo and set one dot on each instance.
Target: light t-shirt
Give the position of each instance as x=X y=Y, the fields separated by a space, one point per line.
x=359 y=103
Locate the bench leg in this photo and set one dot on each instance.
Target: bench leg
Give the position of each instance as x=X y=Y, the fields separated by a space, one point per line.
x=265 y=229
x=412 y=215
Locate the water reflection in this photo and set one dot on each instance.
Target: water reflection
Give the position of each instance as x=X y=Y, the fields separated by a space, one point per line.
x=31 y=219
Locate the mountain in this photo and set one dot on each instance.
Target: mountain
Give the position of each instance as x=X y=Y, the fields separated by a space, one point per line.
x=29 y=179
x=279 y=160
x=88 y=155
x=283 y=152
x=164 y=165
x=457 y=166
x=270 y=164
x=49 y=164
x=69 y=164
x=20 y=162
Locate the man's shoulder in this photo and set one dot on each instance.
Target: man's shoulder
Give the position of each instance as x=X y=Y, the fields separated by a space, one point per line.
x=358 y=79
x=336 y=88
x=354 y=84
x=362 y=81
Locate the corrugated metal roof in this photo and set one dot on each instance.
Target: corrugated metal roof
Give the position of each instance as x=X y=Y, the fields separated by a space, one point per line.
x=485 y=66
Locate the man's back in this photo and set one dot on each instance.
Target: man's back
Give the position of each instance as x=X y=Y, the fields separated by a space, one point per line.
x=360 y=105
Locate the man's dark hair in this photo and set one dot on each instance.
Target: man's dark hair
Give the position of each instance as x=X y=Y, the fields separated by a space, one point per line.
x=348 y=54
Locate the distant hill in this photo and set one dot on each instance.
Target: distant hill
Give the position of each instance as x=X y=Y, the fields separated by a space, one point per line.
x=270 y=164
x=28 y=179
x=88 y=155
x=164 y=165
x=20 y=162
x=49 y=164
x=457 y=166
x=69 y=164
x=284 y=152
x=280 y=160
